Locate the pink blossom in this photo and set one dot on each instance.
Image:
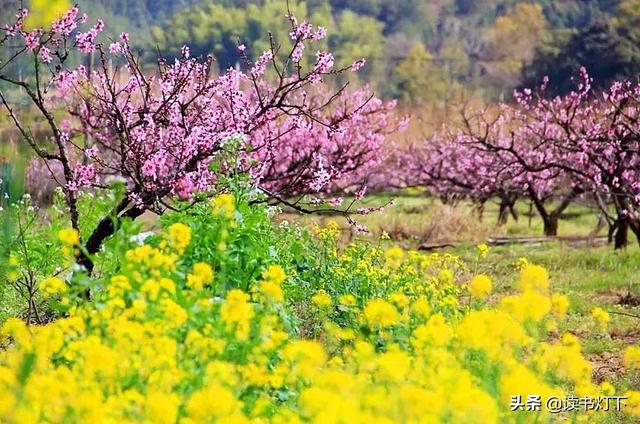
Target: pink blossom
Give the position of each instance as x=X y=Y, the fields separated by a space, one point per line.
x=183 y=188
x=91 y=152
x=296 y=56
x=32 y=39
x=321 y=33
x=357 y=65
x=324 y=62
x=67 y=24
x=260 y=67
x=302 y=31
x=85 y=41
x=45 y=55
x=83 y=176
x=360 y=229
x=115 y=48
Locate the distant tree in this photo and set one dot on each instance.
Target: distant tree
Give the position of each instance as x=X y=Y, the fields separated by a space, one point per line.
x=455 y=58
x=601 y=49
x=213 y=29
x=576 y=13
x=361 y=7
x=627 y=25
x=511 y=43
x=412 y=80
x=358 y=36
x=394 y=14
x=422 y=79
x=216 y=29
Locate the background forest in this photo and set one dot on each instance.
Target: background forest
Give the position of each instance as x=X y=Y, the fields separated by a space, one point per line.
x=422 y=52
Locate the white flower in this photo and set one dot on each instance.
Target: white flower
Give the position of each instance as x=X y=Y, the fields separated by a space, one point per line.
x=140 y=238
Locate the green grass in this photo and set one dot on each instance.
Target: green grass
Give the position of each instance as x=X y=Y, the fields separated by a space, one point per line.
x=417 y=219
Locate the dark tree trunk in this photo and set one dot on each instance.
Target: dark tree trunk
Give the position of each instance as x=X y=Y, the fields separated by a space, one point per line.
x=507 y=206
x=479 y=209
x=613 y=226
x=551 y=219
x=550 y=224
x=503 y=214
x=105 y=229
x=625 y=221
x=621 y=238
x=634 y=224
x=513 y=211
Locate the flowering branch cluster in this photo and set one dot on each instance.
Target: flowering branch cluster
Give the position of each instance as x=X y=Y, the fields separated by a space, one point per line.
x=164 y=132
x=581 y=144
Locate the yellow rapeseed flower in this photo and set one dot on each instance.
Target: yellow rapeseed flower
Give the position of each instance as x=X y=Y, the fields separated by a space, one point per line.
x=214 y=401
x=530 y=305
x=69 y=236
x=12 y=273
x=436 y=332
x=236 y=312
x=309 y=355
x=421 y=307
x=380 y=313
x=483 y=249
x=330 y=233
x=321 y=299
x=394 y=257
x=347 y=300
x=202 y=275
x=445 y=276
x=224 y=205
x=607 y=389
x=271 y=291
x=42 y=13
x=518 y=380
x=632 y=402
x=399 y=299
x=559 y=304
x=275 y=274
x=601 y=317
x=480 y=286
x=632 y=357
x=17 y=329
x=521 y=262
x=179 y=236
x=52 y=286
x=533 y=277
x=174 y=313
x=162 y=407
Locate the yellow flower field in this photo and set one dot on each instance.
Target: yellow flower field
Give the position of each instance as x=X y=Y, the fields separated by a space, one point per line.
x=155 y=347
